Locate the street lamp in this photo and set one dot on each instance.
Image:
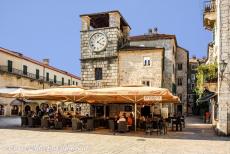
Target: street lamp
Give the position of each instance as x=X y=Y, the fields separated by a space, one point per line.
x=223 y=66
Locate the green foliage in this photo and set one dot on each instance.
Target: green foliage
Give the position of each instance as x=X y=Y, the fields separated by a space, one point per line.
x=205 y=73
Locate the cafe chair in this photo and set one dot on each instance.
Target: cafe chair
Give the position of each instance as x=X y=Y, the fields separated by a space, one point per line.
x=58 y=125
x=76 y=124
x=24 y=121
x=31 y=122
x=122 y=126
x=112 y=126
x=45 y=123
x=90 y=124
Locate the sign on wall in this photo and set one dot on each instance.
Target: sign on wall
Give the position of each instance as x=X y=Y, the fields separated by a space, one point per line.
x=152 y=98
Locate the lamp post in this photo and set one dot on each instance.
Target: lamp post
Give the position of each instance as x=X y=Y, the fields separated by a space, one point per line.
x=223 y=65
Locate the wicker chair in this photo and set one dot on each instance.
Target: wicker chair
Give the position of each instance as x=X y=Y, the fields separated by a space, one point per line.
x=31 y=122
x=24 y=121
x=58 y=125
x=45 y=123
x=76 y=124
x=112 y=126
x=90 y=124
x=122 y=126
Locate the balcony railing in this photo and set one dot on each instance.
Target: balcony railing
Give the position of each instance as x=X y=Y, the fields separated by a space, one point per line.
x=209 y=6
x=31 y=76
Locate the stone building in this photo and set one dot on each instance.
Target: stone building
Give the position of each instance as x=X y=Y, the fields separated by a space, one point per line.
x=141 y=65
x=217 y=20
x=182 y=59
x=18 y=70
x=110 y=57
x=102 y=34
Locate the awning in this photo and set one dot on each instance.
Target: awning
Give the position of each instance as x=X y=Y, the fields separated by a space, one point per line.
x=207 y=97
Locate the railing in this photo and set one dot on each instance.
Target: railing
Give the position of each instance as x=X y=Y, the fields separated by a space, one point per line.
x=32 y=76
x=209 y=6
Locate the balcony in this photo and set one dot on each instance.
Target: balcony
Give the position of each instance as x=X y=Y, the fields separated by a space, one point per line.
x=209 y=16
x=31 y=76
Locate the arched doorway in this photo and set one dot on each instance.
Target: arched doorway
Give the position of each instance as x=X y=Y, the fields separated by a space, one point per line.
x=15 y=106
x=15 y=110
x=1 y=110
x=27 y=109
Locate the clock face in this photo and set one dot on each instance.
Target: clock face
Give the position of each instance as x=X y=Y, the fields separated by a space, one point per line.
x=98 y=42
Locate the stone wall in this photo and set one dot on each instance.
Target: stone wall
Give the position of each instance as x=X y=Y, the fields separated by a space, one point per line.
x=132 y=70
x=107 y=59
x=182 y=58
x=223 y=43
x=169 y=59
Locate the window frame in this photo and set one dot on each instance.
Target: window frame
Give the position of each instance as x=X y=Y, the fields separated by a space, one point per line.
x=98 y=73
x=10 y=66
x=25 y=70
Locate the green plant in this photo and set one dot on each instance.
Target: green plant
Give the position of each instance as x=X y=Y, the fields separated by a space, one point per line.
x=205 y=74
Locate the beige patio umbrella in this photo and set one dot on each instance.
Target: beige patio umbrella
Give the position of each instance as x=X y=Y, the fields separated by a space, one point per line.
x=67 y=93
x=134 y=94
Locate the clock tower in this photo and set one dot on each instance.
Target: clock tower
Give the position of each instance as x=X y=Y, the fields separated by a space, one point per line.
x=102 y=34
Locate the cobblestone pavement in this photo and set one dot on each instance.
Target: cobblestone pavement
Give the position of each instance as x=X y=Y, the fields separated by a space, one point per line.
x=196 y=138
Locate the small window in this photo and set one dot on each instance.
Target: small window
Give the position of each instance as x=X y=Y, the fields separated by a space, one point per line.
x=68 y=81
x=37 y=74
x=73 y=83
x=47 y=76
x=98 y=73
x=173 y=68
x=146 y=83
x=147 y=61
x=10 y=66
x=24 y=70
x=55 y=79
x=179 y=81
x=193 y=77
x=192 y=86
x=76 y=83
x=62 y=81
x=180 y=67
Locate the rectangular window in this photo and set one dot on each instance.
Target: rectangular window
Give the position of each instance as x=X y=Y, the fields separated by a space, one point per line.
x=55 y=79
x=193 y=77
x=69 y=82
x=173 y=68
x=73 y=83
x=147 y=61
x=179 y=81
x=98 y=73
x=179 y=67
x=146 y=83
x=47 y=76
x=62 y=81
x=76 y=83
x=37 y=74
x=24 y=70
x=192 y=86
x=10 y=66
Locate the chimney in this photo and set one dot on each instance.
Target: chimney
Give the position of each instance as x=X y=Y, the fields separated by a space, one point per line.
x=155 y=30
x=46 y=61
x=150 y=31
x=193 y=57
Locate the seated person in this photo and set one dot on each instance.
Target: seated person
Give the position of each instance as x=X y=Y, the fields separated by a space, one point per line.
x=122 y=118
x=130 y=120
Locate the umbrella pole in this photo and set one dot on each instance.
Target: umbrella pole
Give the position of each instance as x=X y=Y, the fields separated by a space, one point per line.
x=135 y=114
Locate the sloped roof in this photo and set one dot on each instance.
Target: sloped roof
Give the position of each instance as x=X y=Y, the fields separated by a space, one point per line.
x=19 y=55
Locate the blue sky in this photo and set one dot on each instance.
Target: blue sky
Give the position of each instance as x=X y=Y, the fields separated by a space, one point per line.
x=51 y=28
